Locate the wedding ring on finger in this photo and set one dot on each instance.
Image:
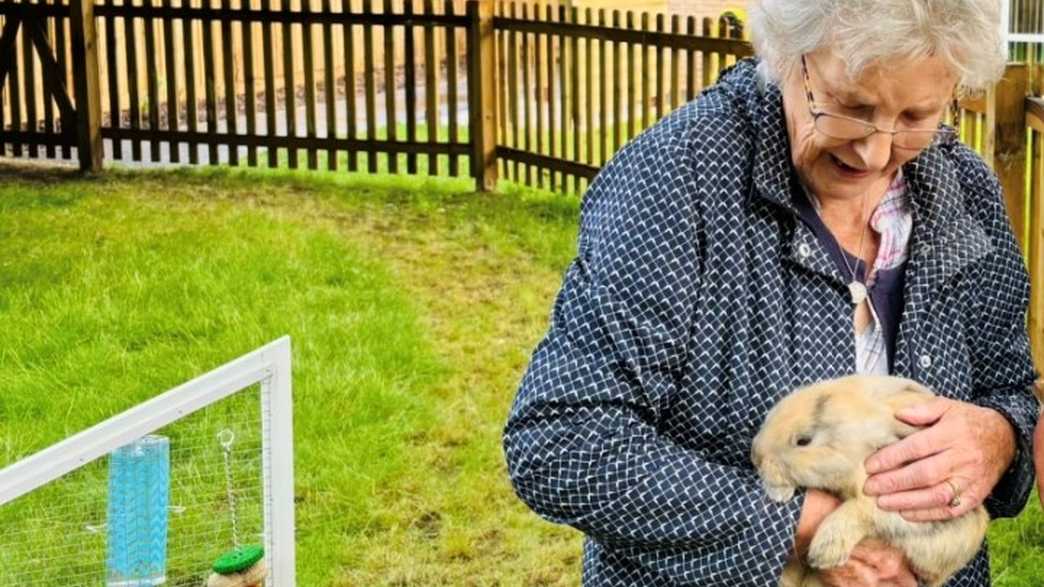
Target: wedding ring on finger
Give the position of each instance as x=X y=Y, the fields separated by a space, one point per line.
x=956 y=501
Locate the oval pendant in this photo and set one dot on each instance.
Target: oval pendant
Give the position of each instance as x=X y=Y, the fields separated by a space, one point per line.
x=857 y=291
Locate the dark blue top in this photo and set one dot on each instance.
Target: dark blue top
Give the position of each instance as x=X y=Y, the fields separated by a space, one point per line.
x=886 y=293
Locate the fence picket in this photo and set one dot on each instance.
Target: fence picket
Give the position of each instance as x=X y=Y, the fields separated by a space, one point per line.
x=192 y=117
x=130 y=31
x=228 y=69
x=268 y=61
x=619 y=57
x=289 y=87
x=691 y=56
x=48 y=123
x=390 y=118
x=574 y=99
x=660 y=53
x=527 y=126
x=349 y=83
x=210 y=87
x=308 y=48
x=329 y=93
x=451 y=83
x=431 y=89
x=171 y=77
x=603 y=95
x=538 y=92
x=370 y=74
x=151 y=67
x=60 y=49
x=30 y=88
x=675 y=95
x=409 y=85
x=14 y=91
x=589 y=91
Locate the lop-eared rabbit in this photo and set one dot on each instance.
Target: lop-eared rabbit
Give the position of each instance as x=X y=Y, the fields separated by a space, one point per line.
x=818 y=437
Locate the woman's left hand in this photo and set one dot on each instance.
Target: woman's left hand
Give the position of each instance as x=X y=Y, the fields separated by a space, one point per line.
x=962 y=454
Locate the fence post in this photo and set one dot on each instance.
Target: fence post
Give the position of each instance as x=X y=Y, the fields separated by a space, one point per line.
x=1005 y=142
x=87 y=88
x=482 y=95
x=1035 y=246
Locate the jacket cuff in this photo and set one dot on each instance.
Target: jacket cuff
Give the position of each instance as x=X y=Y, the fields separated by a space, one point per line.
x=1010 y=494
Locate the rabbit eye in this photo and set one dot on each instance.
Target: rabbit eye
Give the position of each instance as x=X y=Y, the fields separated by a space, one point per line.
x=803 y=440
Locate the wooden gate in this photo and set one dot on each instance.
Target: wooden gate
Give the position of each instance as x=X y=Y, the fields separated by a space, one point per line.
x=30 y=62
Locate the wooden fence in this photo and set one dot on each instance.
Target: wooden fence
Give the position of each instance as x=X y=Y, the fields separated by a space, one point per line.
x=575 y=86
x=277 y=116
x=230 y=80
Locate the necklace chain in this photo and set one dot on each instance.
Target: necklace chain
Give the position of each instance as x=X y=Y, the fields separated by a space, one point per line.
x=856 y=288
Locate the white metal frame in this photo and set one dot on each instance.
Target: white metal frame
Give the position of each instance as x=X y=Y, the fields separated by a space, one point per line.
x=269 y=366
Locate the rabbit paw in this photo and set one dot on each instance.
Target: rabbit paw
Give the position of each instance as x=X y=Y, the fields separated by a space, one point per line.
x=829 y=549
x=779 y=493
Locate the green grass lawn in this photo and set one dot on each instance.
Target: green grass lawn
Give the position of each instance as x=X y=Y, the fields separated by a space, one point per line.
x=413 y=308
x=413 y=305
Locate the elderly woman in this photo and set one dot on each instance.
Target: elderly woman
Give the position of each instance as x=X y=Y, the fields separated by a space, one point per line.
x=807 y=217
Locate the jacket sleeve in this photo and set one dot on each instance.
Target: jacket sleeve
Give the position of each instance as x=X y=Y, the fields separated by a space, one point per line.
x=1002 y=365
x=582 y=441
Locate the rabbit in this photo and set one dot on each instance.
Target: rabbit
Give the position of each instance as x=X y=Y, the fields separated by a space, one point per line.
x=818 y=437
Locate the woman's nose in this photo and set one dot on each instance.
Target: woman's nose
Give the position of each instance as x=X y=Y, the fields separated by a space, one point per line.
x=874 y=151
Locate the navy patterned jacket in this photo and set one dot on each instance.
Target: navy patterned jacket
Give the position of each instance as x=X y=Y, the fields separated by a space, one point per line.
x=697 y=299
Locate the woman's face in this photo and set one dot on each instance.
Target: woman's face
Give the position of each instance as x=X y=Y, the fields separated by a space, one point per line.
x=900 y=93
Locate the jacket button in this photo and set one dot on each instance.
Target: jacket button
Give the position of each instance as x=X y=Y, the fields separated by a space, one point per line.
x=925 y=361
x=804 y=250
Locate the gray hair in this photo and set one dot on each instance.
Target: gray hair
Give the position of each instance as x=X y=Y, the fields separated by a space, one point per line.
x=965 y=33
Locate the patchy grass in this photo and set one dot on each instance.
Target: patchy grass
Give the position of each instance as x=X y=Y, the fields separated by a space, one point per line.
x=413 y=307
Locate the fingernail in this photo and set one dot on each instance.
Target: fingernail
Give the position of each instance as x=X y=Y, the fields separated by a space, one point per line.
x=870 y=488
x=872 y=466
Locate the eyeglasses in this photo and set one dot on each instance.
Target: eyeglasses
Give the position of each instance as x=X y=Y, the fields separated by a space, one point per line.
x=846 y=128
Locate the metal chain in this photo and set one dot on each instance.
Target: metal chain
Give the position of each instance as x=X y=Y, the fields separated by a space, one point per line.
x=226 y=437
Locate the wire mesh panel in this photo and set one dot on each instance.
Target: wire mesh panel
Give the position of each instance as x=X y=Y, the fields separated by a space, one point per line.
x=159 y=509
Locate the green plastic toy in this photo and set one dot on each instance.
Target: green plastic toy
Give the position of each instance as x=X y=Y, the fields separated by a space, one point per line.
x=240 y=559
x=243 y=566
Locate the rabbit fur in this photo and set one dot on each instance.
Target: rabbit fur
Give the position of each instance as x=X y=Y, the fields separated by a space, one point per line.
x=818 y=437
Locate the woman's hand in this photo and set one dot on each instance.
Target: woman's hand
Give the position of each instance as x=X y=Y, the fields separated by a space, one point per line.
x=818 y=505
x=871 y=564
x=962 y=453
